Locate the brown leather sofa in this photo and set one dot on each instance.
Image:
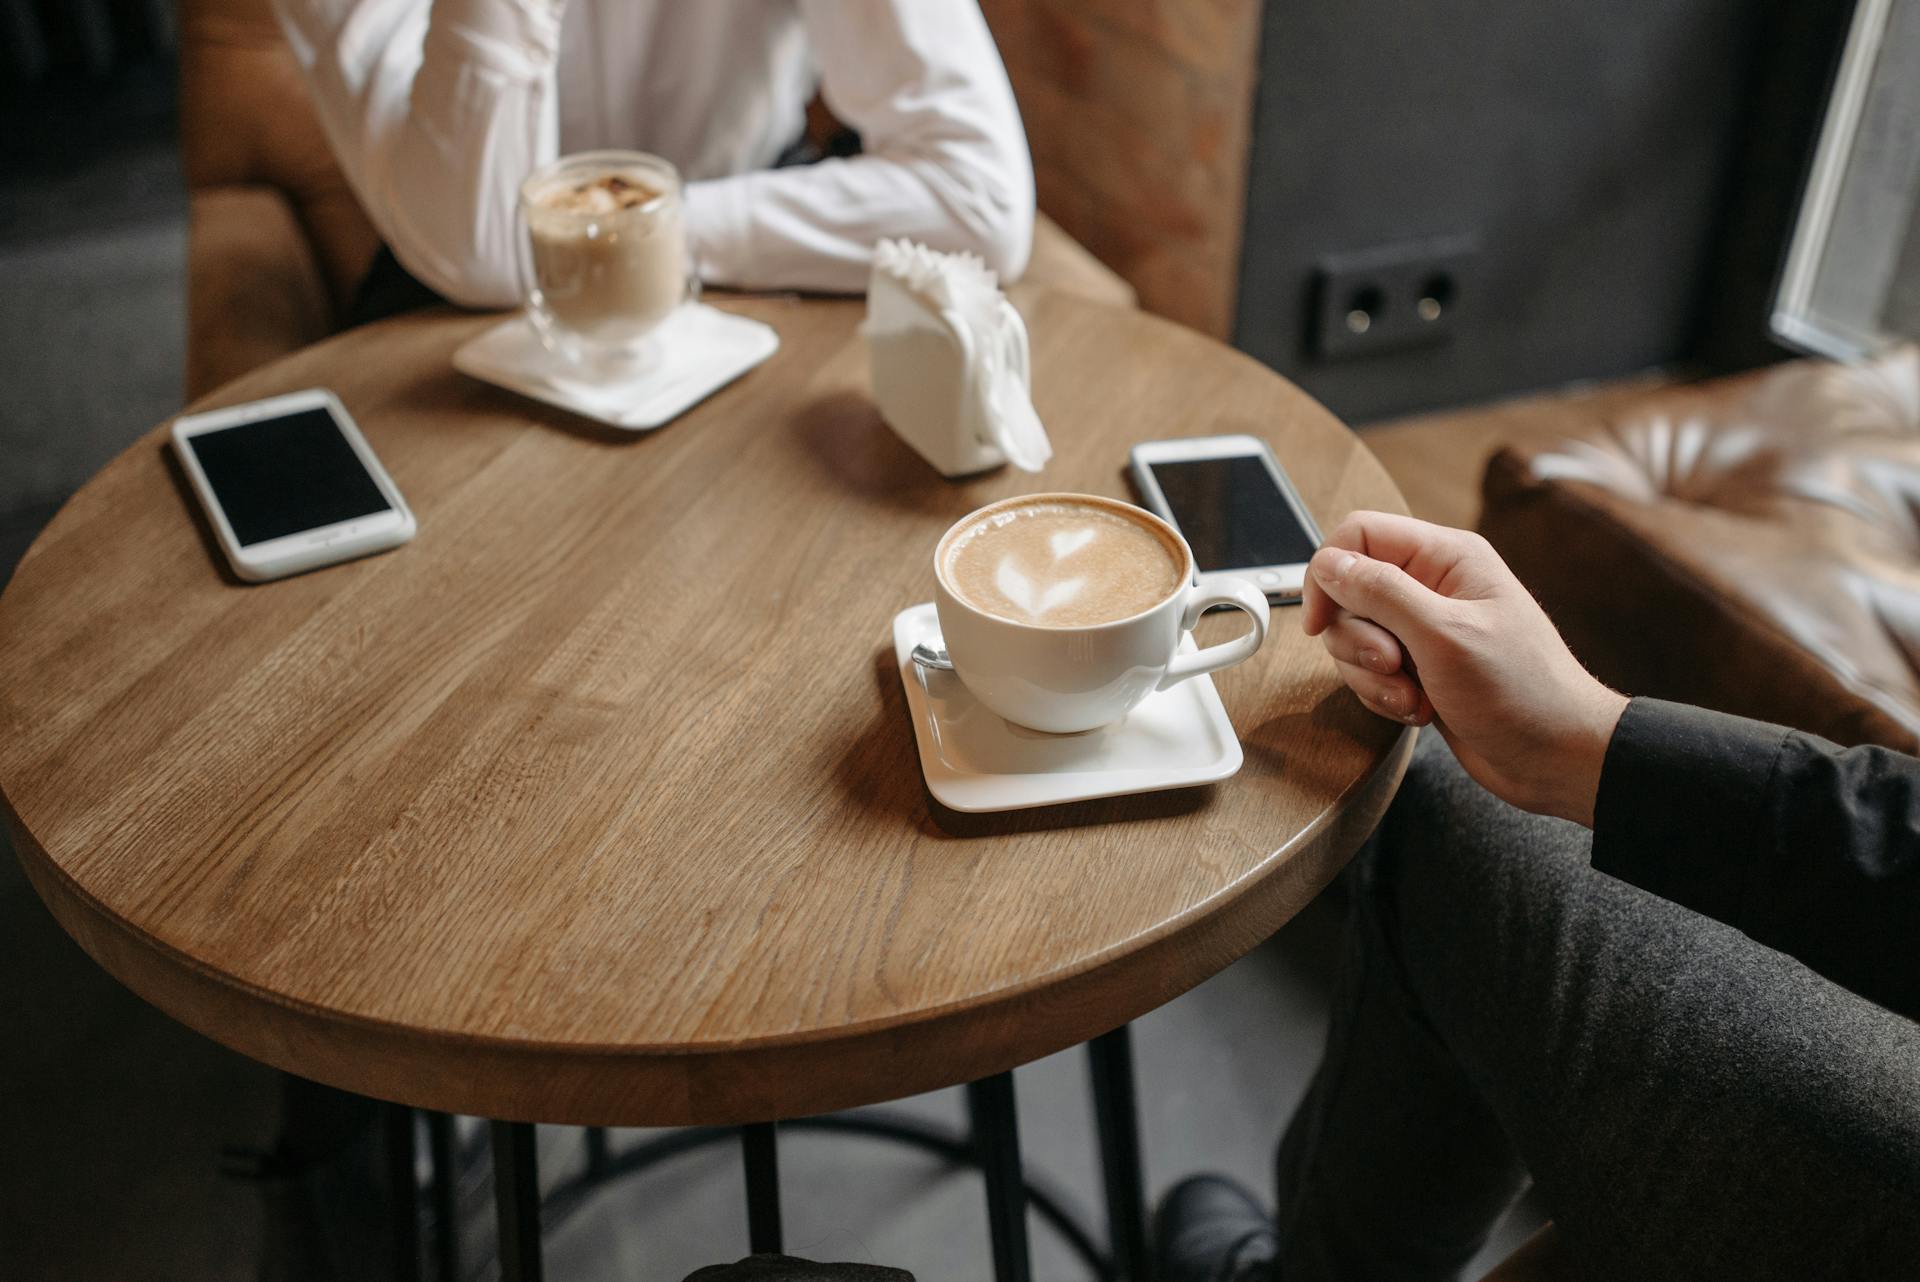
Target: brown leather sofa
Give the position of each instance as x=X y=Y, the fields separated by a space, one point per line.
x=1751 y=546
x=277 y=241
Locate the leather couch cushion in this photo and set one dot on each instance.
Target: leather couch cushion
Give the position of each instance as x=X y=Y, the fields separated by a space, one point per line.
x=254 y=291
x=245 y=119
x=1761 y=556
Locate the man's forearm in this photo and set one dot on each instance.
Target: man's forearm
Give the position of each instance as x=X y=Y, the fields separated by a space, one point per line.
x=945 y=159
x=1806 y=847
x=814 y=226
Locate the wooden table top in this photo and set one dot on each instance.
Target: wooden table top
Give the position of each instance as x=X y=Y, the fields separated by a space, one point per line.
x=598 y=802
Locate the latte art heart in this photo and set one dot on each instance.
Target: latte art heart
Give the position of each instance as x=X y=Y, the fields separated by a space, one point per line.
x=1062 y=564
x=1066 y=542
x=1035 y=600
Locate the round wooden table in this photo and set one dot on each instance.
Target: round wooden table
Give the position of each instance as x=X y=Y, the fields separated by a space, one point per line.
x=598 y=803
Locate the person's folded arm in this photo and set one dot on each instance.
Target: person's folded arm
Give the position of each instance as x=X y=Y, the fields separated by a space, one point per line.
x=1808 y=848
x=944 y=158
x=436 y=110
x=1805 y=846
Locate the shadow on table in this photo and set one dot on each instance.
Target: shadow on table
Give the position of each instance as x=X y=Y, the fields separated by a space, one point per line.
x=1338 y=713
x=846 y=436
x=437 y=391
x=198 y=515
x=880 y=772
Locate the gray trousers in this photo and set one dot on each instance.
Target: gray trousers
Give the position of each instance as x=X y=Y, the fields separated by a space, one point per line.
x=1690 y=1104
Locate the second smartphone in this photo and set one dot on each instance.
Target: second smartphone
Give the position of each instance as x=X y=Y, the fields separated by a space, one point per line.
x=289 y=484
x=1231 y=500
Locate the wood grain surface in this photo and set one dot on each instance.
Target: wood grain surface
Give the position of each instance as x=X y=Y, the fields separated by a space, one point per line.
x=598 y=802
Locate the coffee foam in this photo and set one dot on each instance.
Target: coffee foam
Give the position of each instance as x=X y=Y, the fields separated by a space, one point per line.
x=1061 y=564
x=604 y=194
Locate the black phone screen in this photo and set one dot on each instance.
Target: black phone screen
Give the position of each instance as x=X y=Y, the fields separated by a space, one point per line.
x=279 y=476
x=1232 y=513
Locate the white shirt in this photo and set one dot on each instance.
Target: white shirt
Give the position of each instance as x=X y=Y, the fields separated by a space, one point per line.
x=437 y=109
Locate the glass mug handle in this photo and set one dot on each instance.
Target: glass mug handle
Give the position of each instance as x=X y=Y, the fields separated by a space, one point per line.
x=1239 y=594
x=691 y=294
x=544 y=329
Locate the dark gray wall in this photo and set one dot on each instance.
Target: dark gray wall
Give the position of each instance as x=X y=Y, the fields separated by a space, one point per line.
x=44 y=40
x=1623 y=168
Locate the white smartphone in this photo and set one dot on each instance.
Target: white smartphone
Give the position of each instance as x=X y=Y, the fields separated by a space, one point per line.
x=289 y=485
x=1232 y=501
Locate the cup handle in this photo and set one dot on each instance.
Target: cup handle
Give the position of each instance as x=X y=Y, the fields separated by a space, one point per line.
x=1239 y=594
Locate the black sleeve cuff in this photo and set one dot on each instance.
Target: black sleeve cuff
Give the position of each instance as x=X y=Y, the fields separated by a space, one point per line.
x=1680 y=806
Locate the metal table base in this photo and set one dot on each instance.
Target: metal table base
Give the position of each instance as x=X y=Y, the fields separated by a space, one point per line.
x=991 y=1144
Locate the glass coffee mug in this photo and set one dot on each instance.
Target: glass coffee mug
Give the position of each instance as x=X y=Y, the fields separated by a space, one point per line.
x=1093 y=670
x=607 y=257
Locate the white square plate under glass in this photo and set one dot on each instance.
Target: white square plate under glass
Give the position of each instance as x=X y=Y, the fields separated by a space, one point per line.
x=702 y=349
x=975 y=760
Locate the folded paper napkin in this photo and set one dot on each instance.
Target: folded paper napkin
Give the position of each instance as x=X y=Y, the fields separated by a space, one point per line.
x=951 y=371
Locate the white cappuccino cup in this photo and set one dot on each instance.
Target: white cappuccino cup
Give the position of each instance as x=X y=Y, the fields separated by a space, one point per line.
x=1062 y=611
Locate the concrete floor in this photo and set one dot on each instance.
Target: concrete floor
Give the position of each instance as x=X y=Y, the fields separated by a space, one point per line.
x=114 y=1117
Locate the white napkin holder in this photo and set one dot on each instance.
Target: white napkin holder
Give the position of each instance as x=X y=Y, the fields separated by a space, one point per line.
x=933 y=383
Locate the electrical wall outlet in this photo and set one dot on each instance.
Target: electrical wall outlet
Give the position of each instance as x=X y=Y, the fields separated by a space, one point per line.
x=1391 y=297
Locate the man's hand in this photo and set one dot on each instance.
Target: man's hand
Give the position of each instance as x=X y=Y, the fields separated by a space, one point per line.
x=1427 y=624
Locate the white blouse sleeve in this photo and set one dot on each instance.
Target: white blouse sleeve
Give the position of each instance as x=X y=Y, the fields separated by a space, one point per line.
x=945 y=157
x=436 y=109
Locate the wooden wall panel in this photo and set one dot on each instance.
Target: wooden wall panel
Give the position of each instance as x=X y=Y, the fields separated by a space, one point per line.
x=1138 y=113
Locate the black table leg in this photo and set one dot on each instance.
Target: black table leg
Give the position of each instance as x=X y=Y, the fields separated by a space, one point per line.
x=446 y=1198
x=516 y=1200
x=598 y=1153
x=758 y=1147
x=405 y=1192
x=1110 y=1065
x=996 y=1136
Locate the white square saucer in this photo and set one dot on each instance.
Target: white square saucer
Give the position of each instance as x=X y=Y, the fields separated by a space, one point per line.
x=975 y=760
x=702 y=350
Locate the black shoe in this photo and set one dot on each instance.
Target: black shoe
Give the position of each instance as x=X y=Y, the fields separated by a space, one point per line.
x=1209 y=1229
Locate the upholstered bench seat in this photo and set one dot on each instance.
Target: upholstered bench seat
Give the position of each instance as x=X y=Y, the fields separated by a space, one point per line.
x=1753 y=548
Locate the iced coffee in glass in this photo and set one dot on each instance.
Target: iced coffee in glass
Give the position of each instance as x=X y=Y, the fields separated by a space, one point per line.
x=608 y=253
